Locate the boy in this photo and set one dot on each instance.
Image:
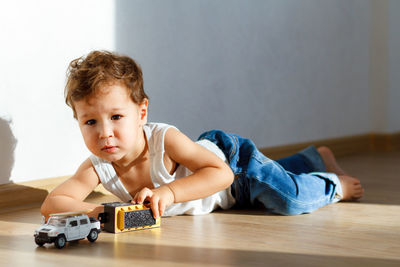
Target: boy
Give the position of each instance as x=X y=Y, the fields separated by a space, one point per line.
x=139 y=161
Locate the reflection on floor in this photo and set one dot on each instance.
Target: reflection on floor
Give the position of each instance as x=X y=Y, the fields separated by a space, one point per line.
x=365 y=233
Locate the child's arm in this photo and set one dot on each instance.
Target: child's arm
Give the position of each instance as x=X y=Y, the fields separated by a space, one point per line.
x=69 y=195
x=210 y=174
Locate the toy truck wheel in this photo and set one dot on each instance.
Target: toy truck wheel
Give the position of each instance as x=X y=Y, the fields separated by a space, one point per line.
x=60 y=241
x=38 y=242
x=93 y=235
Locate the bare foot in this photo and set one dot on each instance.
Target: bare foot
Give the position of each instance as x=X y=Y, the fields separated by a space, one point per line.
x=351 y=187
x=330 y=160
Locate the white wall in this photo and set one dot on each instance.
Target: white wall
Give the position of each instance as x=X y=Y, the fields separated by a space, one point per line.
x=394 y=66
x=278 y=72
x=38 y=39
x=378 y=66
x=384 y=66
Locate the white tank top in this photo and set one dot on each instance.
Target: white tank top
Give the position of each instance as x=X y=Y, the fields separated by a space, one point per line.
x=155 y=133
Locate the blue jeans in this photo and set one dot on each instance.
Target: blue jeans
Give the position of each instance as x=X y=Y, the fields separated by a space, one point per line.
x=306 y=161
x=301 y=188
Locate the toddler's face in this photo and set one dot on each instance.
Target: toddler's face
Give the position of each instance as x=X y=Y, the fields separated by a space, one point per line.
x=111 y=124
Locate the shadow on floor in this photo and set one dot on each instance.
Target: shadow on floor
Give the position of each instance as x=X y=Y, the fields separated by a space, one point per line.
x=118 y=251
x=21 y=200
x=15 y=195
x=8 y=144
x=378 y=173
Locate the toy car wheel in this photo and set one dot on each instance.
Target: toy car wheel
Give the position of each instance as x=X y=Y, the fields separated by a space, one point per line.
x=92 y=235
x=38 y=242
x=60 y=241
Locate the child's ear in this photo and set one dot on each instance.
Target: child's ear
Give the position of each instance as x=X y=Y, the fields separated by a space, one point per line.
x=143 y=110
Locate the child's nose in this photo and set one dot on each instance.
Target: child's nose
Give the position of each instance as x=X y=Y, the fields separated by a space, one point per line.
x=106 y=131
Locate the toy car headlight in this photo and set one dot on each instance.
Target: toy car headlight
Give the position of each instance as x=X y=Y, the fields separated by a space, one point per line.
x=53 y=233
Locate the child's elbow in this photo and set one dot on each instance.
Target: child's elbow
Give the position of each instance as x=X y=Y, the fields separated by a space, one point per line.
x=44 y=209
x=228 y=175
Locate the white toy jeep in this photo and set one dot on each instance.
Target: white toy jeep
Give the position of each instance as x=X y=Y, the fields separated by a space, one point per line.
x=68 y=226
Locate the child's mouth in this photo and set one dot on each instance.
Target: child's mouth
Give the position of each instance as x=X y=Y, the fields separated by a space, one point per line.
x=109 y=149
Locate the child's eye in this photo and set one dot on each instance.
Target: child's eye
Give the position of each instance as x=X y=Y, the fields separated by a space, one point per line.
x=116 y=117
x=90 y=122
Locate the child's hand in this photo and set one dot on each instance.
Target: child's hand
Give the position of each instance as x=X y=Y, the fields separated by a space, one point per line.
x=160 y=198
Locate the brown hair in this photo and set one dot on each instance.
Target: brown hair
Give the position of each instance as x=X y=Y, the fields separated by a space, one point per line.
x=86 y=75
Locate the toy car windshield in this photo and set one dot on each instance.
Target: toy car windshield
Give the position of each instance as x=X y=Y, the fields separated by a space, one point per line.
x=59 y=222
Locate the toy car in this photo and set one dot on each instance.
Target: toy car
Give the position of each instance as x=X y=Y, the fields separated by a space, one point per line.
x=68 y=226
x=122 y=217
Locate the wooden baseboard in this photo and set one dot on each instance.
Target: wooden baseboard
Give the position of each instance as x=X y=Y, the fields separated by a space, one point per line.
x=34 y=192
x=372 y=142
x=385 y=142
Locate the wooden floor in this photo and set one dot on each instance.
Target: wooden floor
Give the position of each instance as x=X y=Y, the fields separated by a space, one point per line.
x=365 y=233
